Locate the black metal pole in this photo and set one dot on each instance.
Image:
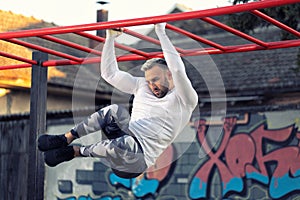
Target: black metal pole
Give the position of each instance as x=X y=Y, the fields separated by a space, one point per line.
x=38 y=110
x=102 y=16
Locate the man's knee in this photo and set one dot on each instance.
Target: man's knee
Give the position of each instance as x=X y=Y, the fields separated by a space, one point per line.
x=114 y=120
x=109 y=109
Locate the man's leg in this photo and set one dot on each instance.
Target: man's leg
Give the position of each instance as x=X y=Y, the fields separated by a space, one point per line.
x=106 y=119
x=112 y=120
x=124 y=155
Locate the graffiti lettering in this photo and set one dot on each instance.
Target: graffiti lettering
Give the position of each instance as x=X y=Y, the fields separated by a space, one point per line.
x=244 y=156
x=149 y=182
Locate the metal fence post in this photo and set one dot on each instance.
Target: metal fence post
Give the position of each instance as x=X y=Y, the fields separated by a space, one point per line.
x=38 y=111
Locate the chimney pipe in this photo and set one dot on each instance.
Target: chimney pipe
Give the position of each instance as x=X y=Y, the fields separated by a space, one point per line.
x=102 y=16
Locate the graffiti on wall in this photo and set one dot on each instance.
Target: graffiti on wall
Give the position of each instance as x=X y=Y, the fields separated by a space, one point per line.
x=145 y=185
x=149 y=183
x=249 y=153
x=244 y=155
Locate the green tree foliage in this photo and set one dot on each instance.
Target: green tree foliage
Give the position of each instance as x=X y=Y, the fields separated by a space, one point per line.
x=288 y=14
x=246 y=22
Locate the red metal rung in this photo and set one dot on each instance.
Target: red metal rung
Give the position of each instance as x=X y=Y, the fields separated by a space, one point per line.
x=18 y=66
x=70 y=44
x=276 y=23
x=7 y=55
x=149 y=39
x=148 y=20
x=234 y=31
x=43 y=49
x=196 y=37
x=120 y=46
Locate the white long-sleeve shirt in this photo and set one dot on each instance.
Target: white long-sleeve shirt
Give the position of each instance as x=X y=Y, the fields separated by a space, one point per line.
x=154 y=121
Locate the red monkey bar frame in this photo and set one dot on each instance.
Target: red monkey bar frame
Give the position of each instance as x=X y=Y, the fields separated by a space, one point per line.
x=205 y=15
x=40 y=59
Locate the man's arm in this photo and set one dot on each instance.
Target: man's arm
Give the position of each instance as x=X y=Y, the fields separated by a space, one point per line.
x=109 y=67
x=176 y=66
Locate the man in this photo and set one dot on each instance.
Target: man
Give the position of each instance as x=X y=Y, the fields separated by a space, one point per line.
x=163 y=104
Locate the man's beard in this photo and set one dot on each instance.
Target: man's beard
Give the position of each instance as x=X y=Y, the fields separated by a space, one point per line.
x=163 y=90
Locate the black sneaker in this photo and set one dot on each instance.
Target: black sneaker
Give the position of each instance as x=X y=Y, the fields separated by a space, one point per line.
x=49 y=142
x=57 y=156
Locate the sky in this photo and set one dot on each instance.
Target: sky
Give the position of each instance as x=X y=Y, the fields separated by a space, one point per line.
x=74 y=12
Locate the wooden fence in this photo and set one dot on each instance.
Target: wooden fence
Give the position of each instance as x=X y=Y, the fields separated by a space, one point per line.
x=14 y=159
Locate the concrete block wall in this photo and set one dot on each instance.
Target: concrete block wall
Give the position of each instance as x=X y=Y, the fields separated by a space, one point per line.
x=244 y=164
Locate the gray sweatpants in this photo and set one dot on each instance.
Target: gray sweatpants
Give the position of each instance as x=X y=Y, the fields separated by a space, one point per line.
x=121 y=150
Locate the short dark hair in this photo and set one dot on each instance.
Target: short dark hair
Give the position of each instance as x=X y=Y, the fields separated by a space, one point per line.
x=154 y=61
